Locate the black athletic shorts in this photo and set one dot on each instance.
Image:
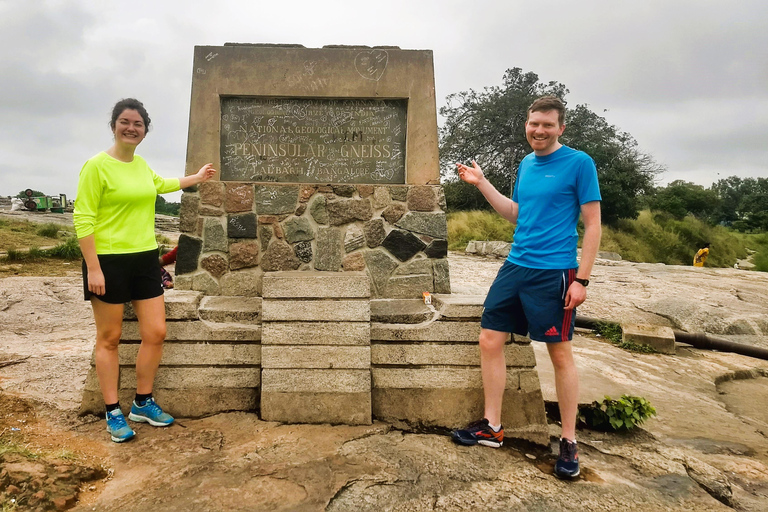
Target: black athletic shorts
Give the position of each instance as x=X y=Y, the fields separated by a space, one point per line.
x=128 y=277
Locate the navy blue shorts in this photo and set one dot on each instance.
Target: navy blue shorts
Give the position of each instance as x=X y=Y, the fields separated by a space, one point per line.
x=529 y=300
x=127 y=277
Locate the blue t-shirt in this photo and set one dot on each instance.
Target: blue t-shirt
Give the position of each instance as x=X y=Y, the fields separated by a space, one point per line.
x=550 y=191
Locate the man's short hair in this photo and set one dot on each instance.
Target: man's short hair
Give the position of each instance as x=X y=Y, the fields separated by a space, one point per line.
x=547 y=103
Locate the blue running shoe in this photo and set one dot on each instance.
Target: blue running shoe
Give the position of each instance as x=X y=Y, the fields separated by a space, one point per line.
x=150 y=413
x=479 y=432
x=567 y=465
x=118 y=428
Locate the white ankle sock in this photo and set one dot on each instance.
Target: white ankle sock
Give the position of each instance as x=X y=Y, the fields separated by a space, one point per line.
x=495 y=428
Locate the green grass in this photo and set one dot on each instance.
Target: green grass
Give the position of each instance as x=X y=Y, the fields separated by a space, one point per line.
x=67 y=250
x=8 y=445
x=651 y=238
x=48 y=230
x=613 y=333
x=476 y=225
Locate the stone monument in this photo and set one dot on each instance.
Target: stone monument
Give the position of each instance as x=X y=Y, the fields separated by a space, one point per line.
x=301 y=269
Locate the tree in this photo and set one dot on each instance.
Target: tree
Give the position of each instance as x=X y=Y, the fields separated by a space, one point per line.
x=625 y=173
x=681 y=198
x=35 y=193
x=743 y=202
x=489 y=126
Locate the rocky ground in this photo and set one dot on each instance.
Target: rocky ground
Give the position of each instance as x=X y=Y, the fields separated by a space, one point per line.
x=707 y=449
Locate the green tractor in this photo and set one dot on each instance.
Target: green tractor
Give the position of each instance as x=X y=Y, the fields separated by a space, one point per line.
x=43 y=203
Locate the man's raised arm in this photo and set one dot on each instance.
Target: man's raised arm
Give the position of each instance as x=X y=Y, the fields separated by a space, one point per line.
x=501 y=203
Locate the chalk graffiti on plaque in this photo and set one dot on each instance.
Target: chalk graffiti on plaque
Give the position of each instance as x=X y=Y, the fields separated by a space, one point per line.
x=313 y=140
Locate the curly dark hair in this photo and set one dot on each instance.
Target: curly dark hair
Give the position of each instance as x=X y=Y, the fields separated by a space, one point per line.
x=132 y=104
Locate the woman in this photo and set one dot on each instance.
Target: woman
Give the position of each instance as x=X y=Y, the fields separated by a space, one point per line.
x=114 y=219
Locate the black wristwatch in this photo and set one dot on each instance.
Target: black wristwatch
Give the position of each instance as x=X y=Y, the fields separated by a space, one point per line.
x=582 y=282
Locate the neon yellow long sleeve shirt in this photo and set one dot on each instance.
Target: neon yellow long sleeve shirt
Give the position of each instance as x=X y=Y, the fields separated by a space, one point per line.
x=116 y=203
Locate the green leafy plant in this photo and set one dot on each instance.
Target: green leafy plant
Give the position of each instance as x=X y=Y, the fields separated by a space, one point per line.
x=623 y=414
x=613 y=333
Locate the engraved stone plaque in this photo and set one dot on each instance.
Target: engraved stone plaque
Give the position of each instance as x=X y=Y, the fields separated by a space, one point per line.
x=313 y=140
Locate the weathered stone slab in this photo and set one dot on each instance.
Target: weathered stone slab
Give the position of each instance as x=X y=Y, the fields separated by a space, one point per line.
x=298 y=229
x=214 y=236
x=243 y=283
x=409 y=287
x=459 y=307
x=354 y=238
x=339 y=310
x=183 y=403
x=189 y=252
x=402 y=354
x=431 y=224
x=523 y=414
x=422 y=198
x=211 y=354
x=434 y=331
x=216 y=265
x=198 y=331
x=203 y=282
x=308 y=407
x=279 y=256
x=276 y=199
x=315 y=381
x=316 y=333
x=316 y=285
x=238 y=197
x=312 y=356
x=400 y=311
x=179 y=305
x=442 y=276
x=402 y=244
x=243 y=255
x=437 y=378
x=318 y=209
x=330 y=249
x=437 y=249
x=245 y=310
x=242 y=226
x=196 y=377
x=190 y=204
x=212 y=193
x=380 y=265
x=661 y=339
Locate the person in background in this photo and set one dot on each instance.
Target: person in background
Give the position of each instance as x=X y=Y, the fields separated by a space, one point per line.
x=540 y=284
x=167 y=259
x=700 y=258
x=114 y=219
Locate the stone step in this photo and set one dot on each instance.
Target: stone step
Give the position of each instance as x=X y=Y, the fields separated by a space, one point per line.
x=315 y=356
x=445 y=354
x=196 y=377
x=220 y=309
x=198 y=330
x=449 y=378
x=316 y=333
x=295 y=310
x=315 y=381
x=211 y=354
x=179 y=305
x=302 y=284
x=400 y=311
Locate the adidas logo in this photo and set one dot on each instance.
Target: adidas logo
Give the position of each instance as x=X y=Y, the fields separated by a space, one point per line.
x=552 y=332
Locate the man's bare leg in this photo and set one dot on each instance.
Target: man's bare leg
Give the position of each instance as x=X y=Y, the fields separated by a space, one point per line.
x=566 y=385
x=494 y=371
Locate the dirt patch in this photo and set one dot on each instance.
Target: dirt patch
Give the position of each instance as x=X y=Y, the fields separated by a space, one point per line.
x=43 y=467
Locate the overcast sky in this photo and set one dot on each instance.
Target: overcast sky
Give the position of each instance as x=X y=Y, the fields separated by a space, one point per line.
x=688 y=79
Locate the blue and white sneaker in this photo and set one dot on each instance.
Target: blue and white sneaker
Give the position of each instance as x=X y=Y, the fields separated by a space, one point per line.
x=567 y=465
x=150 y=413
x=118 y=428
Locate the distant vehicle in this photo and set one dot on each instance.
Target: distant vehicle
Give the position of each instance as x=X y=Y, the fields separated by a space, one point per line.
x=43 y=203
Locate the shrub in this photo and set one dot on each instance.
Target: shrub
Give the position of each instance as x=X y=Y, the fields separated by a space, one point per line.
x=48 y=230
x=68 y=250
x=623 y=414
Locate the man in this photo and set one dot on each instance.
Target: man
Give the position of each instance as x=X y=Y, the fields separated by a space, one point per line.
x=540 y=284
